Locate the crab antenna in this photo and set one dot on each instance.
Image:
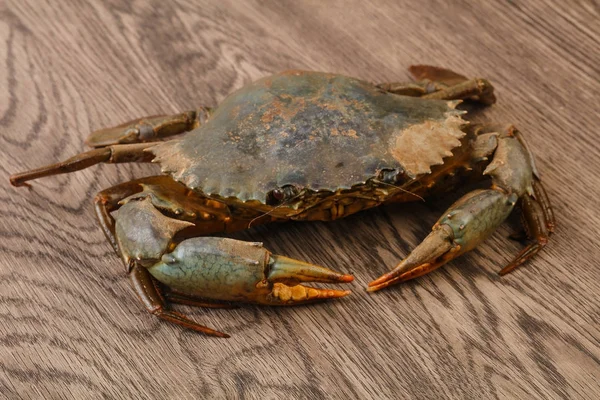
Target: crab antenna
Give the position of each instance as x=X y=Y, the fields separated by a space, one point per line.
x=400 y=188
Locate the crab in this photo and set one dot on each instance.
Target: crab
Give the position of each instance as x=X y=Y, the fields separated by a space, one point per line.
x=303 y=146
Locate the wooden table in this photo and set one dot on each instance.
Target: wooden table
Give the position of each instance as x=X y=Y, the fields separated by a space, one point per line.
x=71 y=327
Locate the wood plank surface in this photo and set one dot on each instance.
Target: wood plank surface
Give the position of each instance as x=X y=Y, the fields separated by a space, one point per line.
x=71 y=327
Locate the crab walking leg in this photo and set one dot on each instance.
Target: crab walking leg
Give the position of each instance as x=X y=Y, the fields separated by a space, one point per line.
x=124 y=143
x=479 y=89
x=149 y=294
x=539 y=193
x=537 y=227
x=436 y=75
x=194 y=301
x=439 y=83
x=453 y=86
x=428 y=79
x=477 y=214
x=412 y=89
x=149 y=129
x=122 y=153
x=541 y=196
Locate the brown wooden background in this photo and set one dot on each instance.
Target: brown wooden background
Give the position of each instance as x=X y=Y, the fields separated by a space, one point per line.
x=72 y=328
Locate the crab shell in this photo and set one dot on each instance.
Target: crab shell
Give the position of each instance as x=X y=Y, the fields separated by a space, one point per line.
x=317 y=132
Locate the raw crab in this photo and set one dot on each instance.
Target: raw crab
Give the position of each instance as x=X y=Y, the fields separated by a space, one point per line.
x=303 y=146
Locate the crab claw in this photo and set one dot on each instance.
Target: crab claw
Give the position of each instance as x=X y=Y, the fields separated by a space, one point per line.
x=467 y=223
x=287 y=270
x=285 y=274
x=233 y=270
x=435 y=250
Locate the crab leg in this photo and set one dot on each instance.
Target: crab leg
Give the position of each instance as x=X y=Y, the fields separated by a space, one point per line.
x=476 y=215
x=538 y=228
x=436 y=75
x=148 y=292
x=149 y=129
x=439 y=83
x=122 y=153
x=540 y=195
x=453 y=86
x=428 y=79
x=480 y=89
x=194 y=301
x=464 y=225
x=123 y=143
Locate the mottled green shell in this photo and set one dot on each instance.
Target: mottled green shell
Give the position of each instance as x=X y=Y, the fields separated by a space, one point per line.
x=313 y=130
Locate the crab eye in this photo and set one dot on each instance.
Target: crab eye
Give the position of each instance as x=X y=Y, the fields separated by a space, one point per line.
x=282 y=194
x=275 y=197
x=278 y=194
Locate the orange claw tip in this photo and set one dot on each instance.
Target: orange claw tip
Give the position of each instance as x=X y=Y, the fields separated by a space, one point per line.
x=373 y=288
x=346 y=278
x=314 y=293
x=298 y=294
x=338 y=293
x=386 y=280
x=382 y=279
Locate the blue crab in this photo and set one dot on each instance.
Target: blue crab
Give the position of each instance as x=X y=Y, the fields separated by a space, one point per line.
x=303 y=146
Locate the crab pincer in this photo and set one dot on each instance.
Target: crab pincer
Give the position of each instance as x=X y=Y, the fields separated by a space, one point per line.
x=467 y=223
x=207 y=271
x=204 y=270
x=476 y=215
x=233 y=270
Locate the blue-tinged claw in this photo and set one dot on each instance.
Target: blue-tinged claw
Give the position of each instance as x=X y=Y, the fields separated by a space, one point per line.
x=233 y=270
x=468 y=222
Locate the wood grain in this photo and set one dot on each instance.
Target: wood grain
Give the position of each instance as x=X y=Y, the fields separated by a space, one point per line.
x=71 y=327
